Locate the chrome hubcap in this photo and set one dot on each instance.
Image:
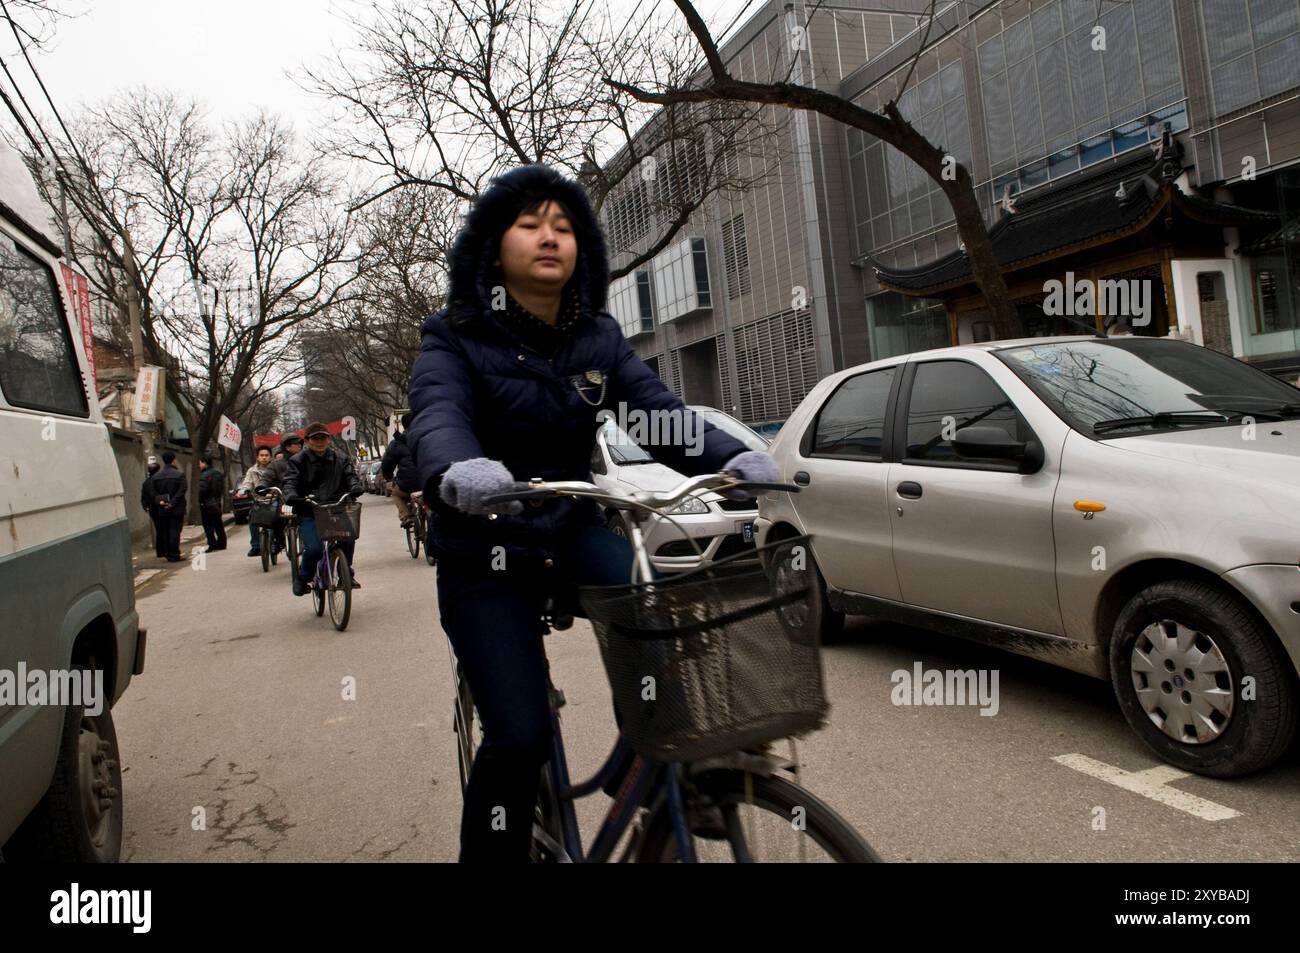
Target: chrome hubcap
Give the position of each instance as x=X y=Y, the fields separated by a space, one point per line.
x=1182 y=682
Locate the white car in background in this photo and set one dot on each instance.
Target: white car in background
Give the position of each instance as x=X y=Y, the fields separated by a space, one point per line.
x=702 y=528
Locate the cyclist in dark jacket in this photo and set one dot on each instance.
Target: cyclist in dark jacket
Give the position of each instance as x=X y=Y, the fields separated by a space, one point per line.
x=328 y=475
x=398 y=466
x=167 y=487
x=509 y=383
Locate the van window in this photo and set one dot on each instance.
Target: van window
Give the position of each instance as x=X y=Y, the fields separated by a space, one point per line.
x=38 y=366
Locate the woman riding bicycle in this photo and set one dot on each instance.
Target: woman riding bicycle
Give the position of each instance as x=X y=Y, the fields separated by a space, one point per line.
x=509 y=383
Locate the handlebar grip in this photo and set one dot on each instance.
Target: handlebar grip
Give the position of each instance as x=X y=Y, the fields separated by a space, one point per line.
x=525 y=494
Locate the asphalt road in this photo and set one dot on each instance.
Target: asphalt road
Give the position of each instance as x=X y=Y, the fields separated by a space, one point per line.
x=239 y=743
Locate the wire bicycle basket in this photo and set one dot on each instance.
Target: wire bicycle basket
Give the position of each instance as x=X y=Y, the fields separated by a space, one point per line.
x=714 y=660
x=338 y=522
x=264 y=512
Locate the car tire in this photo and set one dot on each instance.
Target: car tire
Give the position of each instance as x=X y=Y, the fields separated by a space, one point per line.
x=60 y=829
x=1217 y=627
x=826 y=622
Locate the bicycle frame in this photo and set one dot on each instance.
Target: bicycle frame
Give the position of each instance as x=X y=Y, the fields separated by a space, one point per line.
x=646 y=783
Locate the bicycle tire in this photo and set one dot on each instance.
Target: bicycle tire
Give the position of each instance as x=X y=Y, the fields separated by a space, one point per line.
x=413 y=541
x=341 y=591
x=291 y=546
x=317 y=594
x=463 y=724
x=781 y=798
x=264 y=544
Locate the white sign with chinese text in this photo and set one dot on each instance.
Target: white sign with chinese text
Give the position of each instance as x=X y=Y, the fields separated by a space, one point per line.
x=228 y=434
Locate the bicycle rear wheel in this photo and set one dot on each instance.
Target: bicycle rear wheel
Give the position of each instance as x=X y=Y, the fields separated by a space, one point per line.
x=465 y=723
x=340 y=594
x=264 y=542
x=413 y=540
x=768 y=819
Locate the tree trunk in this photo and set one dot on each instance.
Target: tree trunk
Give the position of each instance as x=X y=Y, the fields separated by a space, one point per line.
x=979 y=252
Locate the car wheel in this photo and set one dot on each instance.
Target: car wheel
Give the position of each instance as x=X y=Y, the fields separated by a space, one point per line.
x=814 y=612
x=1201 y=680
x=79 y=820
x=618 y=525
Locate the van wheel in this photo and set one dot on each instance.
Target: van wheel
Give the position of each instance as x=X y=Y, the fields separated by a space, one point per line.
x=813 y=613
x=79 y=820
x=1180 y=656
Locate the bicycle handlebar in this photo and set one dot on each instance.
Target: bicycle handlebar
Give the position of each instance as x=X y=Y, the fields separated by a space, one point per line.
x=536 y=489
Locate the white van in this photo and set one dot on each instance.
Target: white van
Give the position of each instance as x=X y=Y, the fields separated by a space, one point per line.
x=67 y=601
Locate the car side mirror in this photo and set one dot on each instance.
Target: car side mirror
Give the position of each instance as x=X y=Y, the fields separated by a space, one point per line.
x=995 y=443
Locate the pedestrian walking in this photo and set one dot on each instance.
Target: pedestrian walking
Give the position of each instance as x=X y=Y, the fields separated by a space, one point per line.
x=168 y=487
x=212 y=497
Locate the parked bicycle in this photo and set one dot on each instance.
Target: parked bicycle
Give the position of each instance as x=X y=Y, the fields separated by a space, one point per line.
x=417 y=529
x=263 y=514
x=335 y=523
x=731 y=665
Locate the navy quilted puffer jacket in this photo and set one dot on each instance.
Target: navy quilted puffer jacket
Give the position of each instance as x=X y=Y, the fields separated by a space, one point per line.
x=478 y=391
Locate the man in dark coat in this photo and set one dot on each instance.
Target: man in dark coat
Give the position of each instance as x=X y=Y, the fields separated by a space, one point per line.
x=168 y=489
x=328 y=475
x=212 y=496
x=399 y=466
x=147 y=504
x=509 y=384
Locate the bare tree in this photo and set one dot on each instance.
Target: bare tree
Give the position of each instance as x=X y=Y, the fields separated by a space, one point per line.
x=229 y=241
x=449 y=94
x=715 y=83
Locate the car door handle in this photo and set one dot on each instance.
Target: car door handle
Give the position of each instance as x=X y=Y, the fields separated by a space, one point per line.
x=802 y=478
x=909 y=490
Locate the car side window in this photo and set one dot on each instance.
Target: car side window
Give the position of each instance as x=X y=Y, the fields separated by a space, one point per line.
x=852 y=422
x=947 y=396
x=38 y=366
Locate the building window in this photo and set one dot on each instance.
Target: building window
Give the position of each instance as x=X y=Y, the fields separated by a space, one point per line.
x=631 y=304
x=1272 y=307
x=627 y=218
x=735 y=257
x=1253 y=48
x=901 y=325
x=681 y=274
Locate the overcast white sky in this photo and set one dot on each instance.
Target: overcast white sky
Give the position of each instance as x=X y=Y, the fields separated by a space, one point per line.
x=234 y=55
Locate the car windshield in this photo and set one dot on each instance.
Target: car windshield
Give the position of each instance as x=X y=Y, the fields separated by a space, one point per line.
x=733 y=427
x=622 y=450
x=1121 y=387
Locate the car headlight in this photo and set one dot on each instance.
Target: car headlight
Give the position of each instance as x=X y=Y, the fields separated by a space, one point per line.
x=691 y=506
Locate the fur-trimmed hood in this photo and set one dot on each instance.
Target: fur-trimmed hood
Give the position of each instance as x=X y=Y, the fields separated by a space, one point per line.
x=472 y=274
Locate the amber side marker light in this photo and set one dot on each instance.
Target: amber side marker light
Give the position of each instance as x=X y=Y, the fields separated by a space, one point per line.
x=1089 y=506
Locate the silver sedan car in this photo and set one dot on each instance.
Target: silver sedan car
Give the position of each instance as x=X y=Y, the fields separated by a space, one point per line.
x=1124 y=507
x=700 y=529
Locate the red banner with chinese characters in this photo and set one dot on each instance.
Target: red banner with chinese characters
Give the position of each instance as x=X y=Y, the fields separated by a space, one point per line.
x=335 y=427
x=79 y=297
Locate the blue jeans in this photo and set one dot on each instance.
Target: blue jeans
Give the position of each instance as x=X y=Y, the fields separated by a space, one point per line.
x=312 y=548
x=492 y=619
x=277 y=534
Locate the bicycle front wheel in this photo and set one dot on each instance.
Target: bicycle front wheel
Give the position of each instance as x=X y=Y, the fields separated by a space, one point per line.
x=264 y=542
x=767 y=820
x=413 y=540
x=340 y=594
x=291 y=546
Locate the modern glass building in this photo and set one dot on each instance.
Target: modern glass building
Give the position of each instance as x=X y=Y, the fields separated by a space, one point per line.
x=1149 y=141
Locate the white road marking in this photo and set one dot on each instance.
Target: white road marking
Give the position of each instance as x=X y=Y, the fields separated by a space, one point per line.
x=1152 y=783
